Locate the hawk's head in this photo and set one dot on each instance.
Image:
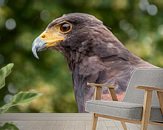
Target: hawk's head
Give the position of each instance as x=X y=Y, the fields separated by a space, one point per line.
x=69 y=31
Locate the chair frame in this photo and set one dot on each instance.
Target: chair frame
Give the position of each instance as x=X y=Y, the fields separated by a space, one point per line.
x=146 y=106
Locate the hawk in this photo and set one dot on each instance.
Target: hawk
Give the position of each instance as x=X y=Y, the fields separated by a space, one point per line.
x=93 y=54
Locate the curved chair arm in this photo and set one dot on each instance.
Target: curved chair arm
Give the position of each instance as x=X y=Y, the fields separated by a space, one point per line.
x=100 y=85
x=98 y=89
x=150 y=88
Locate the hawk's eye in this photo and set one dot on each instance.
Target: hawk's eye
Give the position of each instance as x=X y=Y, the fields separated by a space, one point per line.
x=65 y=27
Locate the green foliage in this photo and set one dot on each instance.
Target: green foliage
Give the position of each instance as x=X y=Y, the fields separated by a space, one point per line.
x=24 y=97
x=131 y=21
x=8 y=126
x=19 y=99
x=4 y=72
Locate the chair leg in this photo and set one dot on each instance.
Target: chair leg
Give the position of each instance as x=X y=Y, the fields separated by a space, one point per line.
x=146 y=109
x=144 y=127
x=124 y=125
x=94 y=121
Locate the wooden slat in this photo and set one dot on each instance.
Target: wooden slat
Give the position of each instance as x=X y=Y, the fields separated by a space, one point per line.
x=55 y=121
x=150 y=88
x=127 y=120
x=113 y=94
x=94 y=122
x=156 y=123
x=119 y=119
x=146 y=109
x=44 y=116
x=99 y=85
x=97 y=95
x=160 y=98
x=124 y=125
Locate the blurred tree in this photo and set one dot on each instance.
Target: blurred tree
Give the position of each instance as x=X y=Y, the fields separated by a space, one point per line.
x=137 y=23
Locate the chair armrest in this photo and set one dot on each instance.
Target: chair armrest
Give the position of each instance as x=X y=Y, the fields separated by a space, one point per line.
x=148 y=101
x=100 y=85
x=98 y=89
x=150 y=88
x=148 y=91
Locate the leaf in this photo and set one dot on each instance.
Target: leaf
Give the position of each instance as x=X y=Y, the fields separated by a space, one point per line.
x=8 y=126
x=4 y=72
x=25 y=97
x=5 y=107
x=19 y=99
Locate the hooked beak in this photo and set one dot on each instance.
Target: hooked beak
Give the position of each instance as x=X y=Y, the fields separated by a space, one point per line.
x=46 y=40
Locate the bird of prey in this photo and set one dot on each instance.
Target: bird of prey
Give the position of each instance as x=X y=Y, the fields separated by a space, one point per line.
x=93 y=54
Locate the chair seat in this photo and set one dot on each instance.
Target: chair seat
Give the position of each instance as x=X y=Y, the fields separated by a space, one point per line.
x=125 y=110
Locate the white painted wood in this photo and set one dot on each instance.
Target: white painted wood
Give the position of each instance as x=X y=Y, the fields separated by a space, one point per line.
x=57 y=121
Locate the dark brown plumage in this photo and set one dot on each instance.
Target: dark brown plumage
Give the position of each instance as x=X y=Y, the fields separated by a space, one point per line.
x=93 y=54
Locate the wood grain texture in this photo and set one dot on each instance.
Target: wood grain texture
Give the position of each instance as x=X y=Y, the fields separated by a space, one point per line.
x=113 y=94
x=63 y=121
x=94 y=122
x=57 y=121
x=99 y=85
x=124 y=125
x=146 y=109
x=160 y=98
x=98 y=92
x=150 y=88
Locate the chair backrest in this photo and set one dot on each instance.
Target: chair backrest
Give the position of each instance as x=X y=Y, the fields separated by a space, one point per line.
x=152 y=77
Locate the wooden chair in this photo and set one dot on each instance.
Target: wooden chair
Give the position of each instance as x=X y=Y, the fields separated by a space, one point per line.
x=139 y=105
